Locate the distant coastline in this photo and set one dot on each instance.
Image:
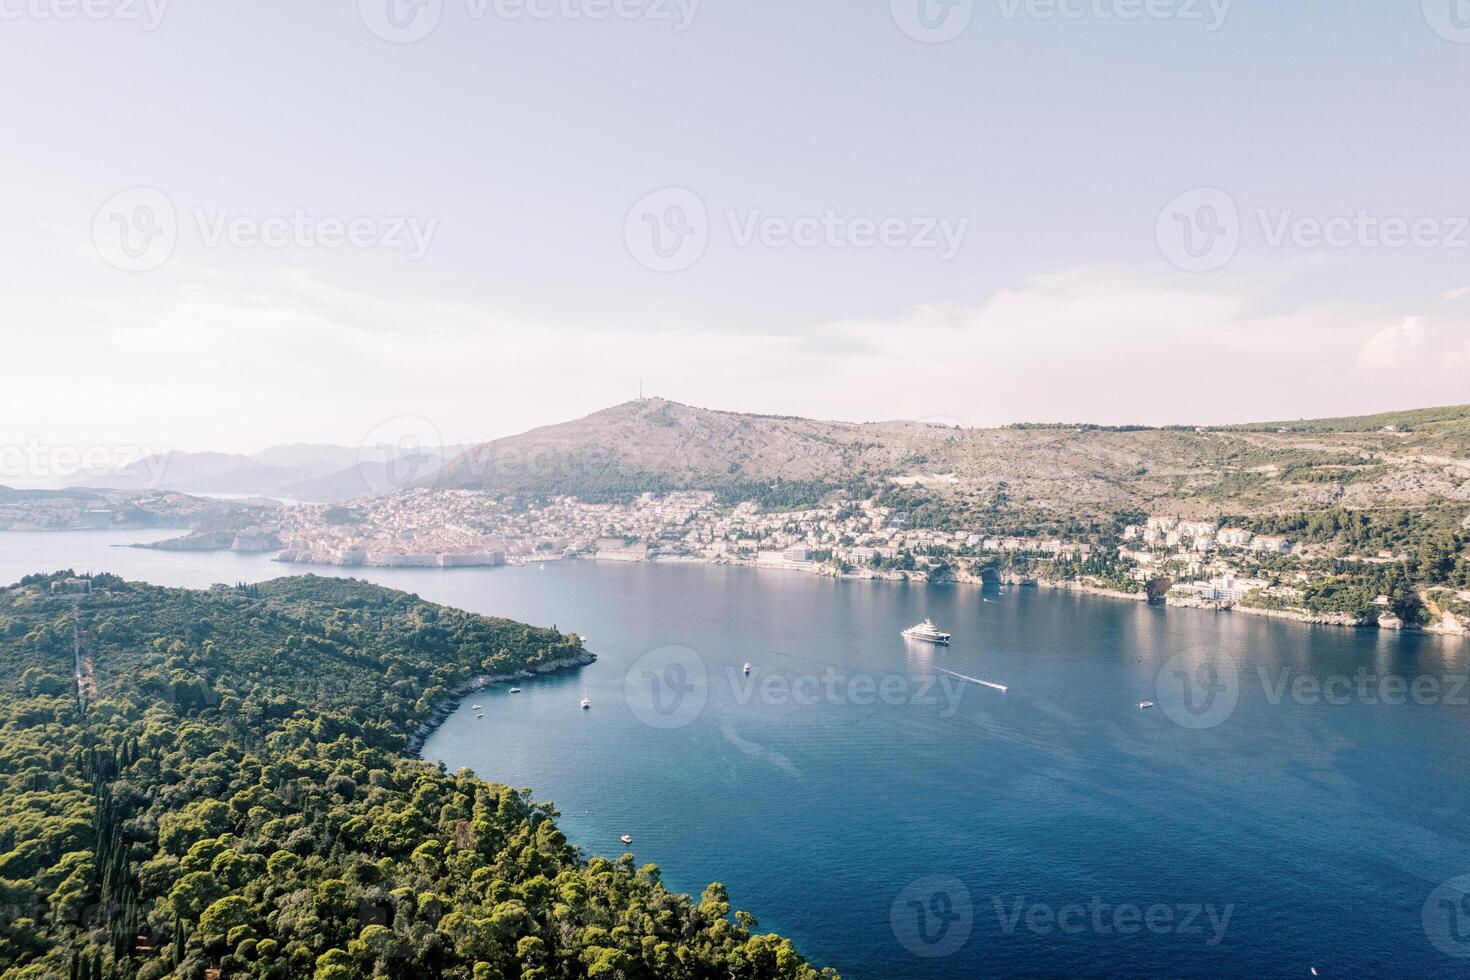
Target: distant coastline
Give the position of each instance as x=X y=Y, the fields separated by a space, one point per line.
x=1452 y=626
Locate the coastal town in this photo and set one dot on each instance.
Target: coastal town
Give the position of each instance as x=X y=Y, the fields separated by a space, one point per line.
x=1214 y=564
x=1394 y=580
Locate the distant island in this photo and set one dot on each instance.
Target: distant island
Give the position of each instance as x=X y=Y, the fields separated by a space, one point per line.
x=1361 y=521
x=220 y=784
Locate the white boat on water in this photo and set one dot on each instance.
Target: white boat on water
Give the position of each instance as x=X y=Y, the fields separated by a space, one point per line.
x=626 y=839
x=586 y=701
x=747 y=666
x=928 y=633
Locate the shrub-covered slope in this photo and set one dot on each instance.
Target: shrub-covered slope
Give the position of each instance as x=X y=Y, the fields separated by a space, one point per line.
x=211 y=781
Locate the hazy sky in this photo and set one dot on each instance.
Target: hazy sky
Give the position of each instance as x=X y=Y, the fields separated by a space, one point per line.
x=819 y=208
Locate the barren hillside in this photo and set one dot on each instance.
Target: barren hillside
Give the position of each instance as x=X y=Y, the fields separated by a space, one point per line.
x=1412 y=459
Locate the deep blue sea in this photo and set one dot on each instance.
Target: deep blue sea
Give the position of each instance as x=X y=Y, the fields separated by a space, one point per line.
x=1296 y=798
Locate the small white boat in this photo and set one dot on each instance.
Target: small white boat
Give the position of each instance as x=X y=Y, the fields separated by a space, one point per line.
x=476 y=707
x=480 y=715
x=747 y=666
x=586 y=701
x=626 y=839
x=1145 y=704
x=515 y=690
x=928 y=633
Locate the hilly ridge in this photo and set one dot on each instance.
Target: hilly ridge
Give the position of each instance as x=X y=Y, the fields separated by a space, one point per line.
x=655 y=445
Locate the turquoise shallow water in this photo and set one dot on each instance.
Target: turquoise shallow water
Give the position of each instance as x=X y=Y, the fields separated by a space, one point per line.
x=898 y=821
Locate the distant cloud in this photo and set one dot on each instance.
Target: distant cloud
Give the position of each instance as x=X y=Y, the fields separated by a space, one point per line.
x=1461 y=293
x=1406 y=344
x=1116 y=344
x=1416 y=352
x=236 y=360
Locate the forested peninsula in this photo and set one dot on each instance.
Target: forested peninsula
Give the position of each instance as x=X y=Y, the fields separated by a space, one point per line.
x=220 y=783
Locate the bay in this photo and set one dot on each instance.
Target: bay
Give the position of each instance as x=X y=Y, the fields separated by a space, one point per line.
x=898 y=820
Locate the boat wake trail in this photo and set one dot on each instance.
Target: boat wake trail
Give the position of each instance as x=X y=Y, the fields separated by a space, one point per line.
x=975 y=680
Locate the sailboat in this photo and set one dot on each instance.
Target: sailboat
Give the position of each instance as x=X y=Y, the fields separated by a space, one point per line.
x=586 y=701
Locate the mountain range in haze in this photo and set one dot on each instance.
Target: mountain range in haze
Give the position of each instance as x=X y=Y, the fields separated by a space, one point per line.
x=300 y=471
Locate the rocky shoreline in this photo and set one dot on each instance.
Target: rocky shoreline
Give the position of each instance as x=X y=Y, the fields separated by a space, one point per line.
x=1067 y=585
x=450 y=702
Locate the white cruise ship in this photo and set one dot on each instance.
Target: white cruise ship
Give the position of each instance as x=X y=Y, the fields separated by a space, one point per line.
x=927 y=632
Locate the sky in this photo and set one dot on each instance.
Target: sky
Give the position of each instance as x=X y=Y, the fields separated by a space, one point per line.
x=226 y=226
